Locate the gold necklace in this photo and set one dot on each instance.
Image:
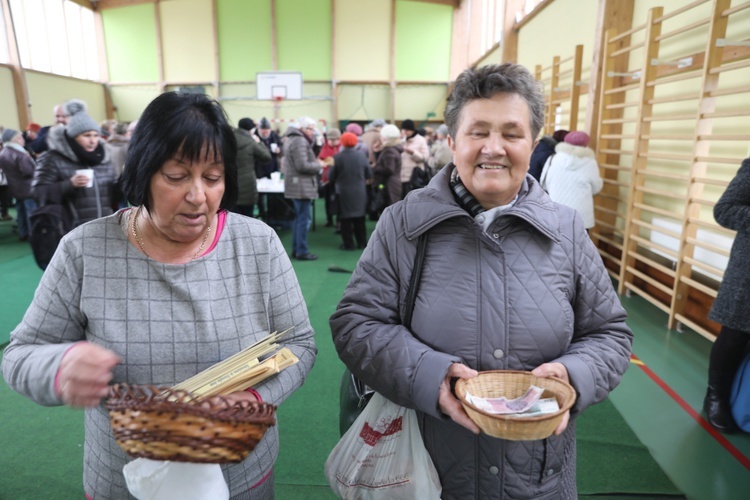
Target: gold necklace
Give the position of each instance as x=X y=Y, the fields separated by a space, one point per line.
x=140 y=243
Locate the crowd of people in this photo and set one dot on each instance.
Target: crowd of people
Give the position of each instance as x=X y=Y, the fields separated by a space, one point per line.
x=514 y=281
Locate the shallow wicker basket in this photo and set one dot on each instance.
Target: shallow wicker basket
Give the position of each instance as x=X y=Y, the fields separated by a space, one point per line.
x=164 y=424
x=512 y=384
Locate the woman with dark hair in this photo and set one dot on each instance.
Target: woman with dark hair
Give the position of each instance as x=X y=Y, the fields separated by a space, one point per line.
x=158 y=292
x=511 y=281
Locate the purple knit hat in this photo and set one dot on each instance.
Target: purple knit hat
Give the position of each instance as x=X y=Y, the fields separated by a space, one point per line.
x=577 y=139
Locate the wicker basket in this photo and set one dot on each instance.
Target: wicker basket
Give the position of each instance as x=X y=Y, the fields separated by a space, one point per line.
x=513 y=384
x=164 y=424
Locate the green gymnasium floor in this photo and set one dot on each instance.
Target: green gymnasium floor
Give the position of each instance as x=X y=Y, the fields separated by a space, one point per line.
x=646 y=441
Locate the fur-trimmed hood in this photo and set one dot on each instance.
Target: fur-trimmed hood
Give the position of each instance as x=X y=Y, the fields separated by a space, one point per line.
x=578 y=151
x=56 y=142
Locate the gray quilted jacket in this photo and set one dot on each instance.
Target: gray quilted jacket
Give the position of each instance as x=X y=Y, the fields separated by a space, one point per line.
x=301 y=167
x=530 y=290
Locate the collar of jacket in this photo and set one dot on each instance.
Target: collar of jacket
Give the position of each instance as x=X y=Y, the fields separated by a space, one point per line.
x=577 y=151
x=56 y=142
x=16 y=147
x=424 y=208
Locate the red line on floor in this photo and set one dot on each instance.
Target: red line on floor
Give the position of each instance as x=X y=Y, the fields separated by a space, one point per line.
x=696 y=416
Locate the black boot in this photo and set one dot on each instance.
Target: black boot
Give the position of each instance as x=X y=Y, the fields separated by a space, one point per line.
x=718 y=412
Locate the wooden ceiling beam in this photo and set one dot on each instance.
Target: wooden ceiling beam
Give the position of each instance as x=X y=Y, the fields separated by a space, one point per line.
x=110 y=4
x=453 y=3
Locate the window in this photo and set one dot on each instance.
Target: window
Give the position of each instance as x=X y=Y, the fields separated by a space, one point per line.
x=4 y=54
x=528 y=6
x=492 y=23
x=56 y=36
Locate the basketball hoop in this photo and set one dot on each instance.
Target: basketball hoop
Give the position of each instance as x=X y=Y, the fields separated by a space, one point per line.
x=278 y=98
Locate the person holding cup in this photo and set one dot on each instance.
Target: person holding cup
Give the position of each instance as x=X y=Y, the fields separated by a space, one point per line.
x=270 y=140
x=76 y=170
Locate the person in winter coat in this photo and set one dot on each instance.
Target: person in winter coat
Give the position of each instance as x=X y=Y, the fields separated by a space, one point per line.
x=511 y=282
x=371 y=138
x=571 y=176
x=272 y=142
x=543 y=150
x=249 y=151
x=77 y=167
x=331 y=147
x=356 y=129
x=118 y=147
x=416 y=153
x=440 y=151
x=349 y=175
x=387 y=169
x=160 y=291
x=18 y=167
x=301 y=181
x=730 y=307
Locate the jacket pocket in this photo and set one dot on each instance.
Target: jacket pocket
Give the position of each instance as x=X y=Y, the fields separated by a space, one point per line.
x=552 y=459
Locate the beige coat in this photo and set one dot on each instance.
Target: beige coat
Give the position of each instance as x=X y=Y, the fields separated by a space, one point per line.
x=418 y=158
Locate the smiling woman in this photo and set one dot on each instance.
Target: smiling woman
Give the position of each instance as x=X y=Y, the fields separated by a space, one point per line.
x=173 y=285
x=514 y=283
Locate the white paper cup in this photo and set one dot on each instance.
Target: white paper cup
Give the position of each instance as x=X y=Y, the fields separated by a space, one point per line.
x=274 y=148
x=88 y=172
x=276 y=176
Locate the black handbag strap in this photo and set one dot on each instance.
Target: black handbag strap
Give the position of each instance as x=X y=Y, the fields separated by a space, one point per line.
x=416 y=275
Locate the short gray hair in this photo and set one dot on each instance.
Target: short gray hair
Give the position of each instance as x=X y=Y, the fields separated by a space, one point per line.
x=485 y=82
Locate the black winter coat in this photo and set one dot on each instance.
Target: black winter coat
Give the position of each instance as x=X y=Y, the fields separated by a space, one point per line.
x=387 y=171
x=249 y=153
x=542 y=151
x=59 y=164
x=348 y=174
x=732 y=307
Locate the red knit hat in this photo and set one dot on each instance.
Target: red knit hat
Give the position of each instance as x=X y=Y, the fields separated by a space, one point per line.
x=33 y=127
x=349 y=140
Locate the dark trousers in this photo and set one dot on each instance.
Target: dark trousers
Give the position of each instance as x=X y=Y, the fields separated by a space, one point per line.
x=356 y=227
x=726 y=356
x=331 y=205
x=6 y=200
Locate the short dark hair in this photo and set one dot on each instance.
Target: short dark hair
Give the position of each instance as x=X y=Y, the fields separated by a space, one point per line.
x=179 y=123
x=485 y=82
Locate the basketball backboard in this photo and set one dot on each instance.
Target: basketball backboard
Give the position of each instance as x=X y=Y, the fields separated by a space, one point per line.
x=278 y=85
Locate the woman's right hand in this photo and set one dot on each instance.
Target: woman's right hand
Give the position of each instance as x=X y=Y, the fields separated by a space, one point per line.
x=84 y=375
x=79 y=180
x=449 y=403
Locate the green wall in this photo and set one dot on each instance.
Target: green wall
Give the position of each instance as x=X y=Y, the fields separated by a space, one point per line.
x=130 y=40
x=304 y=37
x=244 y=38
x=46 y=91
x=423 y=41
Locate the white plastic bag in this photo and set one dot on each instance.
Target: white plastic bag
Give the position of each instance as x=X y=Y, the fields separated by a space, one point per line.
x=382 y=456
x=160 y=480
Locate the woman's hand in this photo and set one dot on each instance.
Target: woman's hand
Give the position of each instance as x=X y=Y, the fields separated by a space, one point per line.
x=449 y=404
x=79 y=180
x=84 y=374
x=555 y=370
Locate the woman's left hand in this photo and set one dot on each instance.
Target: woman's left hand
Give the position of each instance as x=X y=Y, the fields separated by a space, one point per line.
x=555 y=370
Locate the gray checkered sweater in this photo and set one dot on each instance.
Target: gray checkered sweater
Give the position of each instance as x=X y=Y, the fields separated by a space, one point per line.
x=166 y=321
